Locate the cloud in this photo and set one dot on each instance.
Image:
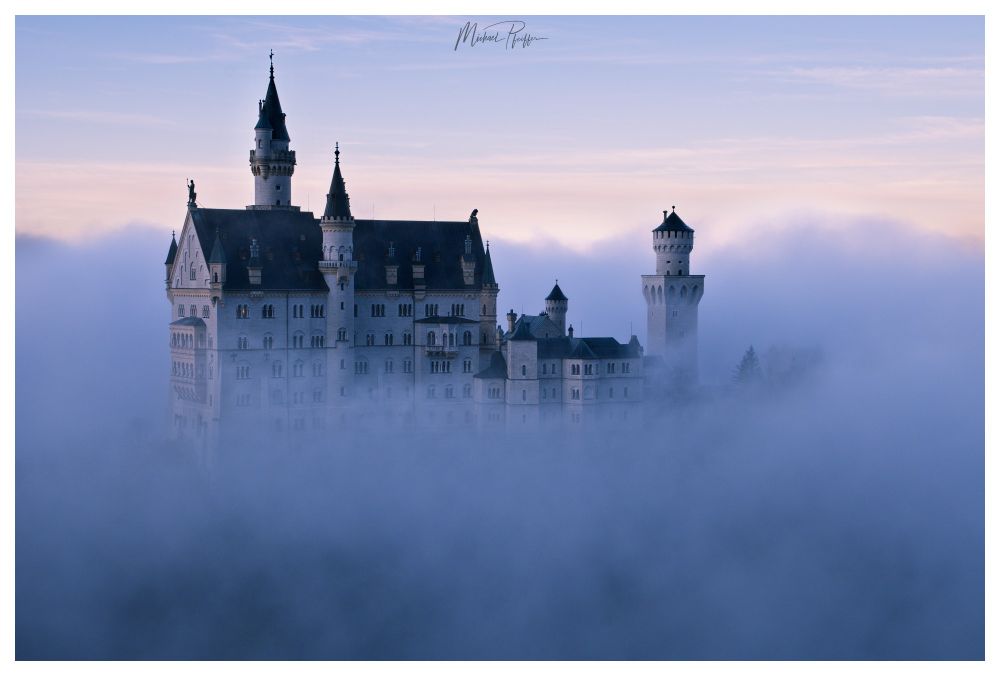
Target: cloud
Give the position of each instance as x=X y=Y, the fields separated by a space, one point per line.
x=837 y=518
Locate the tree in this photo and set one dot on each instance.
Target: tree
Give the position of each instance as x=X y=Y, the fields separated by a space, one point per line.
x=749 y=369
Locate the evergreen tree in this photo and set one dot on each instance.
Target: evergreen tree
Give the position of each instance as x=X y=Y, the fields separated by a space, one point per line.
x=749 y=369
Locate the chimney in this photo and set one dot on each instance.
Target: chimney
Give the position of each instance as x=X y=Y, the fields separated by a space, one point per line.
x=511 y=319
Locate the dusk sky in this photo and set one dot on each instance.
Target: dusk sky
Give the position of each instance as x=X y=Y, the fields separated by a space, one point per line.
x=582 y=137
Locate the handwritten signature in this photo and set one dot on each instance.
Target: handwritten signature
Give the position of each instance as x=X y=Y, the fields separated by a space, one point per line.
x=507 y=33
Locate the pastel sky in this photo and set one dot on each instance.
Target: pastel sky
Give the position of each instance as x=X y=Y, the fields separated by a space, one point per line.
x=585 y=136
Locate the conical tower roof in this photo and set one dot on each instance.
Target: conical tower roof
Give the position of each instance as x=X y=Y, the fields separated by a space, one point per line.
x=338 y=204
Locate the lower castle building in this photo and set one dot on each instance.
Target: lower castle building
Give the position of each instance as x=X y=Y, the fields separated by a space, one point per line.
x=285 y=321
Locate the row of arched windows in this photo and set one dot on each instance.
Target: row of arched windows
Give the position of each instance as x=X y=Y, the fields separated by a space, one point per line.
x=655 y=294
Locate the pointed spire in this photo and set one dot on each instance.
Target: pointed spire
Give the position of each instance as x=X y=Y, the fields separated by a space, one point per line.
x=556 y=293
x=218 y=255
x=488 y=277
x=338 y=204
x=172 y=253
x=270 y=115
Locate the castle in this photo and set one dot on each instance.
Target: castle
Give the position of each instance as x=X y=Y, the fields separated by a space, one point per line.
x=283 y=321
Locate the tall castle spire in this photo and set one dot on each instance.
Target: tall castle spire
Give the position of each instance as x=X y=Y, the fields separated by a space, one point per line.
x=271 y=162
x=338 y=204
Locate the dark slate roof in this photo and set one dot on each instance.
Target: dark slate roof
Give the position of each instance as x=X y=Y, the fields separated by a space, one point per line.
x=673 y=222
x=496 y=369
x=338 y=204
x=442 y=244
x=445 y=320
x=522 y=331
x=291 y=245
x=556 y=294
x=488 y=277
x=587 y=348
x=172 y=252
x=188 y=321
x=272 y=111
x=541 y=326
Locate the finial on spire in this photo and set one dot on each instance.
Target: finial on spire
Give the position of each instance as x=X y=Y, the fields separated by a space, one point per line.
x=271 y=57
x=673 y=208
x=336 y=152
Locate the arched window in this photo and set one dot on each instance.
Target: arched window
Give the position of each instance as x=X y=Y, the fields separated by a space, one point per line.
x=684 y=291
x=524 y=369
x=694 y=292
x=467 y=338
x=431 y=339
x=673 y=291
x=451 y=340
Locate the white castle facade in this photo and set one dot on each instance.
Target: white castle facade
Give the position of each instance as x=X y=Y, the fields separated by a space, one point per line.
x=285 y=321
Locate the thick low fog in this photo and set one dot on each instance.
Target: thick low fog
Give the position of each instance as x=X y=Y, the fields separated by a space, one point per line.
x=831 y=510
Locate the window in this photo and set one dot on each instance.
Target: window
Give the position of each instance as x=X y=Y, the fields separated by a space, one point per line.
x=242 y=399
x=191 y=276
x=588 y=369
x=297 y=369
x=575 y=393
x=341 y=334
x=193 y=311
x=243 y=372
x=298 y=311
x=204 y=311
x=466 y=391
x=431 y=310
x=467 y=338
x=430 y=391
x=388 y=338
x=545 y=369
x=407 y=338
x=611 y=367
x=524 y=369
x=407 y=366
x=388 y=366
x=378 y=310
x=180 y=310
x=626 y=367
x=406 y=310
x=276 y=369
x=317 y=311
x=318 y=340
x=431 y=338
x=370 y=339
x=467 y=366
x=242 y=311
x=317 y=396
x=268 y=342
x=449 y=392
x=524 y=395
x=317 y=369
x=298 y=340
x=360 y=367
x=574 y=369
x=243 y=343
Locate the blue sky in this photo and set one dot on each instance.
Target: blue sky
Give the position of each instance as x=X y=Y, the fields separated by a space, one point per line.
x=583 y=136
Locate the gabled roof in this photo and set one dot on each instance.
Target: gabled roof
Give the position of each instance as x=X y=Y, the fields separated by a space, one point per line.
x=556 y=294
x=172 y=252
x=673 y=222
x=541 y=326
x=496 y=369
x=522 y=331
x=587 y=348
x=441 y=245
x=291 y=245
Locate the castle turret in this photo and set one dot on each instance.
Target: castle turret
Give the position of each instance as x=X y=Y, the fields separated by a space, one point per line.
x=271 y=162
x=556 y=305
x=488 y=297
x=338 y=268
x=171 y=255
x=672 y=296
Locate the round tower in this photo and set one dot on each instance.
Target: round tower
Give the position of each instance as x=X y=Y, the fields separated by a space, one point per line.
x=338 y=268
x=672 y=296
x=556 y=305
x=271 y=162
x=672 y=242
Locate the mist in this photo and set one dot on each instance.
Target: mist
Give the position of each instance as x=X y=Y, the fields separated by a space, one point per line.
x=831 y=512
